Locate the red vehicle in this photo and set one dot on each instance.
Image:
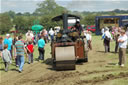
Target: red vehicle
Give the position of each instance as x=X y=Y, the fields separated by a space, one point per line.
x=91 y=28
x=14 y=31
x=69 y=27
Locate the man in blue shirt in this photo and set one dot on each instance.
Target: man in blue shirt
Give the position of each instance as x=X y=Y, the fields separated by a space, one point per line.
x=7 y=42
x=41 y=44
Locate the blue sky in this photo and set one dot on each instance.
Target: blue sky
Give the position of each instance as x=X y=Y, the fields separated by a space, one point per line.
x=78 y=5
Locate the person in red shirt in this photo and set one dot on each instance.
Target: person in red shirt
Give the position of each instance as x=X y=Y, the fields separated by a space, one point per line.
x=30 y=49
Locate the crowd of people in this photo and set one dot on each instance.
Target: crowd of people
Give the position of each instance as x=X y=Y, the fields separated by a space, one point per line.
x=119 y=35
x=15 y=48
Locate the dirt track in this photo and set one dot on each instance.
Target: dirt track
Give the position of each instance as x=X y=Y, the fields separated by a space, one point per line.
x=99 y=70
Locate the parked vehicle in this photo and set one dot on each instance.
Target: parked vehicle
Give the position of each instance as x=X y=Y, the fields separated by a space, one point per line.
x=91 y=28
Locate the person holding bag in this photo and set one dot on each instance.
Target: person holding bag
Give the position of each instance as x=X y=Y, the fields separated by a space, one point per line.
x=107 y=38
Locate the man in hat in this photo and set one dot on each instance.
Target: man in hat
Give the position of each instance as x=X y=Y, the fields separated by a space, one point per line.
x=78 y=27
x=7 y=42
x=122 y=48
x=107 y=38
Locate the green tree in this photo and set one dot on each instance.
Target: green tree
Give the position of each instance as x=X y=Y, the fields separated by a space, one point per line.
x=112 y=13
x=30 y=22
x=49 y=7
x=24 y=23
x=5 y=23
x=11 y=14
x=20 y=22
x=89 y=19
x=27 y=14
x=46 y=22
x=19 y=14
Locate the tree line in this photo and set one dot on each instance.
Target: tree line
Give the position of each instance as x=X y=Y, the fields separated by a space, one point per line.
x=44 y=13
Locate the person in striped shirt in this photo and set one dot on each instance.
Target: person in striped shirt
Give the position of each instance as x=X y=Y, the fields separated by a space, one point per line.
x=19 y=53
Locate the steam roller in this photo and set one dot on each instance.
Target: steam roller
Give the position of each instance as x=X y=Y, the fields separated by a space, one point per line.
x=65 y=49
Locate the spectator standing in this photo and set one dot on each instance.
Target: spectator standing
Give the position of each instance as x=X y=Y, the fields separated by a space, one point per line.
x=6 y=56
x=85 y=32
x=89 y=39
x=51 y=33
x=28 y=38
x=107 y=38
x=14 y=41
x=35 y=39
x=127 y=32
x=6 y=41
x=122 y=48
x=86 y=45
x=116 y=36
x=102 y=31
x=30 y=49
x=31 y=34
x=19 y=53
x=27 y=33
x=38 y=36
x=41 y=44
x=45 y=33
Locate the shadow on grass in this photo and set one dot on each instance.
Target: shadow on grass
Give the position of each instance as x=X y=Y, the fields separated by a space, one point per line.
x=2 y=69
x=79 y=62
x=36 y=59
x=113 y=52
x=100 y=51
x=107 y=52
x=52 y=66
x=112 y=63
x=49 y=61
x=14 y=69
x=1 y=62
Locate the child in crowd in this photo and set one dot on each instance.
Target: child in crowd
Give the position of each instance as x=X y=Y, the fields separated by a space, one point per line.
x=6 y=56
x=30 y=49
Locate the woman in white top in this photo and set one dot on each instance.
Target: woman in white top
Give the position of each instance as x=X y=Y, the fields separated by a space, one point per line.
x=122 y=48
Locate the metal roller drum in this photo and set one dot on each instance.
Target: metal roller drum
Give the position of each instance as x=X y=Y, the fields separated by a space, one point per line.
x=65 y=58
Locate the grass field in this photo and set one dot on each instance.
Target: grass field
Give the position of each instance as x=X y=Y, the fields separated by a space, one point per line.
x=100 y=70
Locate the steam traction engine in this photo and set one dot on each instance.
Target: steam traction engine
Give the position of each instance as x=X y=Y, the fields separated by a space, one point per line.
x=68 y=46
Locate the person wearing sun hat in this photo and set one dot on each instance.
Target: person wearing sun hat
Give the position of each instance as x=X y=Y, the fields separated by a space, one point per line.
x=122 y=48
x=7 y=42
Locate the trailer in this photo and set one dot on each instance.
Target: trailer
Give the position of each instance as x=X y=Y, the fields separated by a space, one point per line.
x=117 y=21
